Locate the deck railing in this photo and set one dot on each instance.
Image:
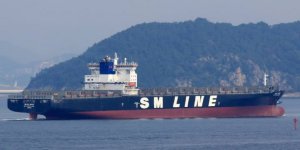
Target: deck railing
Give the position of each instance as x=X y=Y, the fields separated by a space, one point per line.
x=143 y=92
x=206 y=91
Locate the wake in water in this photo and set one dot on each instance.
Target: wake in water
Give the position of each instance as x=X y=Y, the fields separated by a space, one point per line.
x=21 y=119
x=292 y=115
x=18 y=119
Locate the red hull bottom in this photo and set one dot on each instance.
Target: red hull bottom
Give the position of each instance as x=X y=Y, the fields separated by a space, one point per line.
x=224 y=112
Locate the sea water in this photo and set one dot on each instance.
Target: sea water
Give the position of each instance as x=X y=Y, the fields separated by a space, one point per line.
x=17 y=132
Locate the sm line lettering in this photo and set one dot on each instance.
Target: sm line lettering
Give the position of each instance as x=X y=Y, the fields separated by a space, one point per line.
x=197 y=101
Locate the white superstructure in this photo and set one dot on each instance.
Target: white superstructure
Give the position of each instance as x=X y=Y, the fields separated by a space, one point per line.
x=109 y=75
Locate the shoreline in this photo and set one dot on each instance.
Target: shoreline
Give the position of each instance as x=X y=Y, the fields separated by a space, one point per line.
x=291 y=95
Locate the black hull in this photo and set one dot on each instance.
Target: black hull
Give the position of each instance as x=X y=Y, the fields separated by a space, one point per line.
x=139 y=107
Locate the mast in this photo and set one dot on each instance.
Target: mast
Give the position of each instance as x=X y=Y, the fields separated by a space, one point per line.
x=266 y=76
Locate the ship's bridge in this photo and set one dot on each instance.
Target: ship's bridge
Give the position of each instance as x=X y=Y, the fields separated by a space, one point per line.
x=108 y=74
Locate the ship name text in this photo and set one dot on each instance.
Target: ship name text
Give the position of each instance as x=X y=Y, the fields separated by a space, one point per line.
x=196 y=101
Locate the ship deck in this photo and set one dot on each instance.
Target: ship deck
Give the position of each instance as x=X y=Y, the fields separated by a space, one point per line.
x=47 y=94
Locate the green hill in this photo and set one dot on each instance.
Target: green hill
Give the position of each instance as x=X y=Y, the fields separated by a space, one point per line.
x=197 y=53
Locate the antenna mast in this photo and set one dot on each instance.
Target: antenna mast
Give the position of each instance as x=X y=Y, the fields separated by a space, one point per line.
x=266 y=76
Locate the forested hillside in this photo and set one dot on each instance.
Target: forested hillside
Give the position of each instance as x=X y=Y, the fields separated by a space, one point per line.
x=192 y=53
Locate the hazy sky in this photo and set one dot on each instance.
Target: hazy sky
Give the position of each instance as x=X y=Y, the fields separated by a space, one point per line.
x=53 y=27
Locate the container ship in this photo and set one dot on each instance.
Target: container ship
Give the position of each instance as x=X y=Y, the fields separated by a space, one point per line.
x=111 y=92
